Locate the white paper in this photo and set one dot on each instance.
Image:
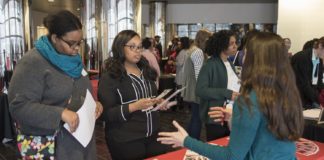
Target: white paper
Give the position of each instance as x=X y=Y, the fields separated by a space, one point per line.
x=87 y=119
x=312 y=113
x=167 y=99
x=84 y=73
x=165 y=92
x=235 y=86
x=191 y=155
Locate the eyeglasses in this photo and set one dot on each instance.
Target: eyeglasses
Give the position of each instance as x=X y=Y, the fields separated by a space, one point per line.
x=134 y=48
x=71 y=44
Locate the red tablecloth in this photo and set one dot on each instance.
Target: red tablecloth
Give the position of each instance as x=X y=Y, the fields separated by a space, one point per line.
x=179 y=154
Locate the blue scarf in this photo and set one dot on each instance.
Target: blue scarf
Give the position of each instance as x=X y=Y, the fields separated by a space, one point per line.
x=71 y=65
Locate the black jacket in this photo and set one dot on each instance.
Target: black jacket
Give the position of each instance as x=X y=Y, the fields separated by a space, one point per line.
x=303 y=68
x=115 y=96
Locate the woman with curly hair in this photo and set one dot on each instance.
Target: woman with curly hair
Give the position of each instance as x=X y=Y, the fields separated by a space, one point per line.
x=217 y=80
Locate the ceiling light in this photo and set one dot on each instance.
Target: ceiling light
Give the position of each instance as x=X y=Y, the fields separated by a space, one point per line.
x=50 y=0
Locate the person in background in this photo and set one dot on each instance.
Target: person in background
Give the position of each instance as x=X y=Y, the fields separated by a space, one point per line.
x=170 y=67
x=158 y=45
x=217 y=81
x=239 y=58
x=288 y=45
x=49 y=86
x=173 y=48
x=191 y=69
x=267 y=116
x=308 y=68
x=147 y=52
x=154 y=50
x=181 y=58
x=309 y=44
x=127 y=92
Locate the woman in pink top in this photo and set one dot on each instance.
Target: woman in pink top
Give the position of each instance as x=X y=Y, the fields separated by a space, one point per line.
x=149 y=55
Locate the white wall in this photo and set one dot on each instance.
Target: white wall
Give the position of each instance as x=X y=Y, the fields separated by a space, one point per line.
x=300 y=20
x=145 y=13
x=217 y=13
x=37 y=20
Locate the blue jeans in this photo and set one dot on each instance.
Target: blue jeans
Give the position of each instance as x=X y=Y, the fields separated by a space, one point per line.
x=194 y=127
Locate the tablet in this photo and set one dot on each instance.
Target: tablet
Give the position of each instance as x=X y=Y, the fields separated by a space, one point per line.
x=164 y=93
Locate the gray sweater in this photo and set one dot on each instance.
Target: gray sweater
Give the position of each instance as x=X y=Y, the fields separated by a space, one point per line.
x=38 y=94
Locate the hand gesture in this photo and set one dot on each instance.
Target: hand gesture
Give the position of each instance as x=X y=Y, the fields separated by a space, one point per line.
x=164 y=105
x=220 y=114
x=168 y=104
x=234 y=95
x=99 y=109
x=176 y=139
x=71 y=118
x=141 y=104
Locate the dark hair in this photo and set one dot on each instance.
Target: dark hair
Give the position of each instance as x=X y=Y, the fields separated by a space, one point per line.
x=267 y=71
x=309 y=44
x=115 y=65
x=146 y=43
x=185 y=42
x=246 y=38
x=61 y=22
x=318 y=42
x=218 y=42
x=241 y=47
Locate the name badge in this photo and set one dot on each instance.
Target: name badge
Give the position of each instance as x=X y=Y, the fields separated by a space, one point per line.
x=314 y=80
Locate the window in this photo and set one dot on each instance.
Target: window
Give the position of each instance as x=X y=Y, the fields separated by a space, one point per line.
x=210 y=27
x=183 y=30
x=193 y=29
x=11 y=33
x=223 y=26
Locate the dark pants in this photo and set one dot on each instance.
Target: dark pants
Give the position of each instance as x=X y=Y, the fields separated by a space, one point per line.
x=194 y=127
x=137 y=149
x=179 y=99
x=215 y=131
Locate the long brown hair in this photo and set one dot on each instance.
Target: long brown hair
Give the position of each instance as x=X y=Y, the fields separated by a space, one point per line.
x=267 y=71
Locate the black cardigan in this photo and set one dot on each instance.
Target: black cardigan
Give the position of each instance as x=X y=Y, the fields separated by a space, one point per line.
x=115 y=96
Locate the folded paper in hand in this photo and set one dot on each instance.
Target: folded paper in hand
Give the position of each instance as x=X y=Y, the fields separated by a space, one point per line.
x=87 y=119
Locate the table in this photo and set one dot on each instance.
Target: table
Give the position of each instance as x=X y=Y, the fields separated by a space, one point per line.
x=313 y=131
x=179 y=154
x=7 y=129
